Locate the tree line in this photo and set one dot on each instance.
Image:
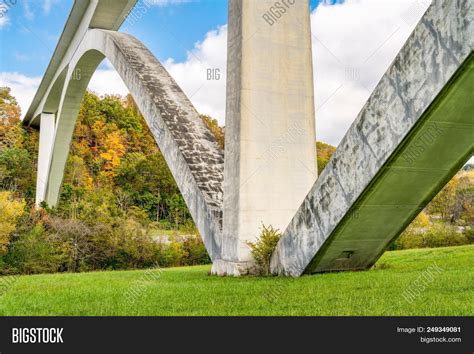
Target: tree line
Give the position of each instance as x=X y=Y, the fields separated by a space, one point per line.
x=119 y=206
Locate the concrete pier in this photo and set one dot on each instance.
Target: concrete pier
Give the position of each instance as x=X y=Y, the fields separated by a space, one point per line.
x=270 y=155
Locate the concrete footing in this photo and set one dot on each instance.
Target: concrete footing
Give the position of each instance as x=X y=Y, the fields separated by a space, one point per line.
x=234 y=269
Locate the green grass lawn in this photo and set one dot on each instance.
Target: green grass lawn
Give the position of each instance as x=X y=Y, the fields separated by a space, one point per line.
x=191 y=291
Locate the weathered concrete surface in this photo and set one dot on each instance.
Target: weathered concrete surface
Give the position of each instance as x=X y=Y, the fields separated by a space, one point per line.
x=409 y=139
x=191 y=151
x=270 y=153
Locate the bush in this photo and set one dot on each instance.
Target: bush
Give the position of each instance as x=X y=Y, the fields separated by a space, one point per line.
x=186 y=250
x=172 y=254
x=263 y=249
x=435 y=235
x=34 y=252
x=10 y=212
x=49 y=244
x=196 y=251
x=469 y=234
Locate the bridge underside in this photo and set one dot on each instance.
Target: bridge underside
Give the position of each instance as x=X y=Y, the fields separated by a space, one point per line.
x=415 y=132
x=411 y=137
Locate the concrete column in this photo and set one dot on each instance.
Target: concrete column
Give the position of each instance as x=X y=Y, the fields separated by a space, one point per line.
x=46 y=139
x=270 y=155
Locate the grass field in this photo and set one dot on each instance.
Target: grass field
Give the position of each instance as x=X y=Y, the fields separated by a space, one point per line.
x=191 y=291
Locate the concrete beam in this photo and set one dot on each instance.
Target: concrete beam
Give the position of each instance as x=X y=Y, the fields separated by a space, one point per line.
x=46 y=139
x=270 y=162
x=411 y=137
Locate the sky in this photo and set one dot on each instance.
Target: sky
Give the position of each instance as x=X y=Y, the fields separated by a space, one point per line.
x=354 y=42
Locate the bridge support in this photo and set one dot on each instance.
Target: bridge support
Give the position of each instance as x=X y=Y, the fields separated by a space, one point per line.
x=270 y=157
x=411 y=137
x=46 y=141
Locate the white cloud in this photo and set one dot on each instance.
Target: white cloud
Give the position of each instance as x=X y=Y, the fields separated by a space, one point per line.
x=4 y=20
x=29 y=15
x=353 y=45
x=21 y=57
x=47 y=5
x=23 y=88
x=107 y=81
x=207 y=58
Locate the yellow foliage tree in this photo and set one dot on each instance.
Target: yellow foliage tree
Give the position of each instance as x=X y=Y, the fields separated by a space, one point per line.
x=445 y=202
x=114 y=150
x=215 y=129
x=10 y=211
x=422 y=220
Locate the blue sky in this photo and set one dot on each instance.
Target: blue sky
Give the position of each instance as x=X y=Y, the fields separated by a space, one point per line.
x=28 y=40
x=189 y=36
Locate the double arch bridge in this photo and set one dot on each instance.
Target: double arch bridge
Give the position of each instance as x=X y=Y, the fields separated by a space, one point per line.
x=413 y=134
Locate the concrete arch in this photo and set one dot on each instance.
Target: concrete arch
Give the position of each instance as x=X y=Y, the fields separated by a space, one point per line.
x=53 y=99
x=191 y=151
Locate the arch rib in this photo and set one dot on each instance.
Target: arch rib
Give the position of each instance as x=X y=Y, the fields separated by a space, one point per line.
x=191 y=151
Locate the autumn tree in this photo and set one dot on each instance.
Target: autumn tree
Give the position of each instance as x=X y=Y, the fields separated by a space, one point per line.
x=455 y=201
x=215 y=129
x=17 y=148
x=324 y=153
x=10 y=211
x=10 y=130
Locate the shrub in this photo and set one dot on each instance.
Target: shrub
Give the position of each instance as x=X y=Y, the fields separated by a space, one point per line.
x=52 y=244
x=196 y=251
x=34 y=252
x=263 y=249
x=134 y=248
x=10 y=211
x=469 y=234
x=435 y=235
x=172 y=254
